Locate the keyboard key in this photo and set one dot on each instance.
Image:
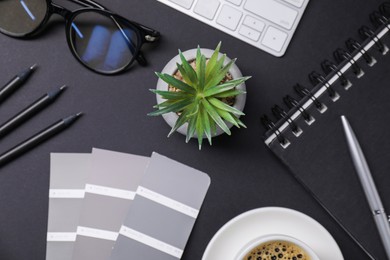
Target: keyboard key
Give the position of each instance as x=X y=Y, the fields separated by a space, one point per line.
x=273 y=11
x=249 y=33
x=254 y=23
x=235 y=2
x=297 y=3
x=229 y=17
x=183 y=3
x=207 y=8
x=274 y=38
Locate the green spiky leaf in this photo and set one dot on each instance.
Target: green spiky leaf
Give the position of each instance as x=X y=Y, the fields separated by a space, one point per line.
x=213 y=61
x=216 y=68
x=202 y=73
x=191 y=127
x=206 y=124
x=170 y=94
x=199 y=129
x=188 y=70
x=228 y=117
x=230 y=93
x=197 y=62
x=184 y=75
x=215 y=116
x=180 y=121
x=177 y=106
x=225 y=86
x=176 y=83
x=219 y=75
x=225 y=107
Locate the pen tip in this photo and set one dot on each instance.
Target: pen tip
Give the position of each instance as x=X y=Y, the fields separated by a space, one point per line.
x=63 y=87
x=33 y=67
x=79 y=114
x=344 y=119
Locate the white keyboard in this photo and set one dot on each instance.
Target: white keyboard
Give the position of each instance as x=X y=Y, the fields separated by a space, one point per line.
x=266 y=24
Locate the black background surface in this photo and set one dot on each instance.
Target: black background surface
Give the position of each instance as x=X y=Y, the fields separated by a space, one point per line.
x=244 y=172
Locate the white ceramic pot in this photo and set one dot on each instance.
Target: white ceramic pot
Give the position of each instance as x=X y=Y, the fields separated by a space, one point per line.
x=171 y=69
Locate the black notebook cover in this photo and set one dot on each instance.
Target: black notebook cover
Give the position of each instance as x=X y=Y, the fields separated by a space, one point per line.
x=319 y=156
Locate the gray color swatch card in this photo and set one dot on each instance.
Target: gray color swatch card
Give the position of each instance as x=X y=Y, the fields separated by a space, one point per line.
x=112 y=182
x=162 y=215
x=67 y=181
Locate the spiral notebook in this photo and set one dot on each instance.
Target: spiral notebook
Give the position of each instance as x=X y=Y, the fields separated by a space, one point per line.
x=307 y=135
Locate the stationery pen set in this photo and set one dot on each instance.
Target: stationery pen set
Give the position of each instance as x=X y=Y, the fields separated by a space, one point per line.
x=27 y=113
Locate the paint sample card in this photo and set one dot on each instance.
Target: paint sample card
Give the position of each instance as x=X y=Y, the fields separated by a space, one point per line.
x=163 y=213
x=68 y=174
x=112 y=182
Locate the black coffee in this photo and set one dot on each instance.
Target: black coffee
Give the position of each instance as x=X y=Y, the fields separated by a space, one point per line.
x=277 y=250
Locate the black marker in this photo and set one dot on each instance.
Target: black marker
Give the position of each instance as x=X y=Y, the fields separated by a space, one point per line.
x=29 y=111
x=38 y=138
x=15 y=83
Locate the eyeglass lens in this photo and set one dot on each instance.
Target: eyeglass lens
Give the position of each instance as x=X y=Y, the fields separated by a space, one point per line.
x=22 y=16
x=103 y=42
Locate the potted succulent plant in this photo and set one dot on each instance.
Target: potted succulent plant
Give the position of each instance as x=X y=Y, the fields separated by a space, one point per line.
x=203 y=96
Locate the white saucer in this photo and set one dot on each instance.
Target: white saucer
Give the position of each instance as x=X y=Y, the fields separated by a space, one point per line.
x=235 y=234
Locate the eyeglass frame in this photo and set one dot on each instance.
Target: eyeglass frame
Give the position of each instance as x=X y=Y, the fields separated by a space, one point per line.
x=144 y=34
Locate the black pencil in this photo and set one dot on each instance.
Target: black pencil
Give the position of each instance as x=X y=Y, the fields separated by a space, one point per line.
x=15 y=83
x=38 y=138
x=29 y=111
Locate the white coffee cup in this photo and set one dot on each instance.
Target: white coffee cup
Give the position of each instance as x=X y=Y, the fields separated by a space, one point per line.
x=275 y=237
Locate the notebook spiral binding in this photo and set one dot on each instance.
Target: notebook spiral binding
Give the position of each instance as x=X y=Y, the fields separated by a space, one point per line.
x=335 y=72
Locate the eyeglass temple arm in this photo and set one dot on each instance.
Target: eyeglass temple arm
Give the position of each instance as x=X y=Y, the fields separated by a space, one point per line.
x=89 y=3
x=151 y=35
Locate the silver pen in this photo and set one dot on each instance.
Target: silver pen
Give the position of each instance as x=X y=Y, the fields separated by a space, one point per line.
x=368 y=185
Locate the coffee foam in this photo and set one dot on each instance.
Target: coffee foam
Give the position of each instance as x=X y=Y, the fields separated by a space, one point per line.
x=277 y=250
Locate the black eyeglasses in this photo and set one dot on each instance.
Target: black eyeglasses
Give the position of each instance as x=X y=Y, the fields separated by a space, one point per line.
x=101 y=40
